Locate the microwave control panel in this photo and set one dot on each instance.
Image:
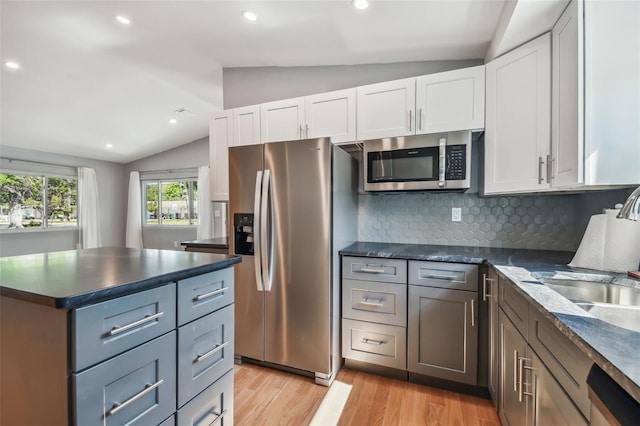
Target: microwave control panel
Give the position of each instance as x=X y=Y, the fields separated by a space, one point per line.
x=456 y=162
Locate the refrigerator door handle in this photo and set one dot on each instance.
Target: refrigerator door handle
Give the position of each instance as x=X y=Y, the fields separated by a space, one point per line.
x=257 y=248
x=266 y=237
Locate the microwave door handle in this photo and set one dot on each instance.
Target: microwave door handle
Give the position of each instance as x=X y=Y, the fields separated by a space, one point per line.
x=442 y=157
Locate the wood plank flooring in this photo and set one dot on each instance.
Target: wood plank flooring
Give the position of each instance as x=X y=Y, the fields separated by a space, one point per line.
x=264 y=396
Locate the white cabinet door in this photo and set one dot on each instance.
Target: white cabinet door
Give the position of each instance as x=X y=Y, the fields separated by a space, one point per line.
x=518 y=115
x=450 y=101
x=220 y=137
x=567 y=124
x=386 y=109
x=331 y=114
x=246 y=125
x=282 y=120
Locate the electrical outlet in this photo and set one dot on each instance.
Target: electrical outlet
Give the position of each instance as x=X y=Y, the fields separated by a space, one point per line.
x=456 y=214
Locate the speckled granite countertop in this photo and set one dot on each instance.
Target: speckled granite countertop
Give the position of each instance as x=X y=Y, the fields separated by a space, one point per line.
x=616 y=350
x=75 y=278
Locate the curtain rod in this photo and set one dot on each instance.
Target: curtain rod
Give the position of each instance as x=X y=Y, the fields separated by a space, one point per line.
x=184 y=169
x=11 y=160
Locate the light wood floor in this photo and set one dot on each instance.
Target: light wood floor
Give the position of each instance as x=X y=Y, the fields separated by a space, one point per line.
x=270 y=397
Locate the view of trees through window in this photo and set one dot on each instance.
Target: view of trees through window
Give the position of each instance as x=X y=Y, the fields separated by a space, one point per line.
x=28 y=201
x=178 y=203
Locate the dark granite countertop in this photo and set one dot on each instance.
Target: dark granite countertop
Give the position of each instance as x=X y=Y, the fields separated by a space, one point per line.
x=75 y=278
x=219 y=242
x=616 y=350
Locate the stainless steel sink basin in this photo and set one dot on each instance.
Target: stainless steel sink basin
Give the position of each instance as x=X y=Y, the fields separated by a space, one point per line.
x=623 y=316
x=612 y=303
x=591 y=291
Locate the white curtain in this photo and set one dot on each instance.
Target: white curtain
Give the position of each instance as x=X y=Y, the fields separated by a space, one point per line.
x=205 y=218
x=134 y=212
x=88 y=211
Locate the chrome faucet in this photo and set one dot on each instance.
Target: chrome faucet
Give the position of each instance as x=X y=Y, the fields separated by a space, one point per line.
x=631 y=208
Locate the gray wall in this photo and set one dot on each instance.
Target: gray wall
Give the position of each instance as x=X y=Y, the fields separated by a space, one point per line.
x=112 y=188
x=190 y=155
x=250 y=86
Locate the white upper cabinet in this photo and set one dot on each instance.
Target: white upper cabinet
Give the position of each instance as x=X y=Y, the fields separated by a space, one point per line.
x=450 y=101
x=220 y=138
x=246 y=125
x=282 y=120
x=596 y=96
x=386 y=109
x=331 y=114
x=518 y=119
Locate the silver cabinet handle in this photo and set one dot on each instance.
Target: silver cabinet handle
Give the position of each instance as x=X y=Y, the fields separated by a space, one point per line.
x=307 y=130
x=420 y=119
x=549 y=168
x=373 y=341
x=300 y=131
x=220 y=415
x=521 y=368
x=540 y=163
x=442 y=155
x=486 y=280
x=117 y=406
x=438 y=277
x=473 y=312
x=210 y=294
x=369 y=270
x=515 y=371
x=148 y=318
x=365 y=301
x=410 y=120
x=211 y=352
x=257 y=242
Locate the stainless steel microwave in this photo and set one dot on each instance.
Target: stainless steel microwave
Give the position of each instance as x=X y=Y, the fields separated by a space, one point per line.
x=418 y=163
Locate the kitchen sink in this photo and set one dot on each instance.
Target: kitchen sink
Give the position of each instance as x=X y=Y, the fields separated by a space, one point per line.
x=612 y=303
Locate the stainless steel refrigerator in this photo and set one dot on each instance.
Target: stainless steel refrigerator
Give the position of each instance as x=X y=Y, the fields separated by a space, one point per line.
x=292 y=207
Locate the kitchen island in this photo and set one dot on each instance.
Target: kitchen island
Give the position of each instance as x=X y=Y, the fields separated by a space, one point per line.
x=614 y=350
x=113 y=335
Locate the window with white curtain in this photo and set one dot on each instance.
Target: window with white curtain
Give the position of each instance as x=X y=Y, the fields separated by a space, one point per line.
x=170 y=202
x=37 y=200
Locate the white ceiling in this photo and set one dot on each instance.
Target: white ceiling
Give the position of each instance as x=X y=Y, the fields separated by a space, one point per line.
x=87 y=81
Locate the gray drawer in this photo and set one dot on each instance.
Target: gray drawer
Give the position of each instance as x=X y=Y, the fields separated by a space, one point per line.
x=568 y=364
x=171 y=421
x=203 y=294
x=135 y=388
x=109 y=328
x=205 y=352
x=375 y=343
x=375 y=301
x=455 y=276
x=514 y=305
x=374 y=269
x=214 y=406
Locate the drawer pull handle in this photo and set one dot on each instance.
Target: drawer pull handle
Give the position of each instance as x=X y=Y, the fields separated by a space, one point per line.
x=439 y=277
x=365 y=301
x=369 y=270
x=210 y=294
x=373 y=342
x=117 y=406
x=148 y=318
x=220 y=415
x=211 y=352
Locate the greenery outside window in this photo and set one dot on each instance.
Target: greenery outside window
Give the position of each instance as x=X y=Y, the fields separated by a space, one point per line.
x=170 y=202
x=37 y=201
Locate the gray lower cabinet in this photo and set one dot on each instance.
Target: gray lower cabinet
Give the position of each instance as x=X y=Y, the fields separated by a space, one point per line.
x=529 y=394
x=443 y=333
x=213 y=406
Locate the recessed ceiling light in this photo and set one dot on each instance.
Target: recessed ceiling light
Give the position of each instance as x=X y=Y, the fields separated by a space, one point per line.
x=249 y=16
x=12 y=65
x=109 y=145
x=173 y=121
x=360 y=4
x=123 y=20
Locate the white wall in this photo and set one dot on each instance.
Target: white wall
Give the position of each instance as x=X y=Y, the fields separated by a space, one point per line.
x=250 y=86
x=112 y=188
x=191 y=155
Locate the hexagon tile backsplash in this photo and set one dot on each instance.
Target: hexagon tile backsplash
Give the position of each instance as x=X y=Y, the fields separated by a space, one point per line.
x=532 y=222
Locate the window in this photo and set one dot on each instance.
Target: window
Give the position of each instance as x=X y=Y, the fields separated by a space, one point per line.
x=37 y=201
x=170 y=202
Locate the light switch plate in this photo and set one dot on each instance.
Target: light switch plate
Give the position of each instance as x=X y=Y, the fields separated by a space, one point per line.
x=456 y=214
